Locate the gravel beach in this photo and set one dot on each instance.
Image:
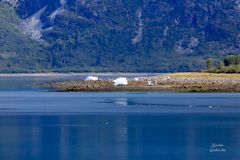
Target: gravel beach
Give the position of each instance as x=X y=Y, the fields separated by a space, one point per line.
x=178 y=82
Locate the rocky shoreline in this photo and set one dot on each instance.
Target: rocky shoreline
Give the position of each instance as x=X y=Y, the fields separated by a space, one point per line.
x=189 y=82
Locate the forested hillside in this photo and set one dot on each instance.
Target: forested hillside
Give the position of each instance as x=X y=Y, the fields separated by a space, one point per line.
x=122 y=35
x=18 y=53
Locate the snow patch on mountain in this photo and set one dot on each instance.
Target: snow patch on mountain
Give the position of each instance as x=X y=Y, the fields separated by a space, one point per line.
x=139 y=31
x=32 y=26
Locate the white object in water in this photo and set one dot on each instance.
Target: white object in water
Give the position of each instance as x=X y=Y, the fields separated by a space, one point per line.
x=91 y=78
x=120 y=81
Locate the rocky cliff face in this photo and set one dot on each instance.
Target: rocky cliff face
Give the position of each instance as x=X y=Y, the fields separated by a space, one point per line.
x=141 y=35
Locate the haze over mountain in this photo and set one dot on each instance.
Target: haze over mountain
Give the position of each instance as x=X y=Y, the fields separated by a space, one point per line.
x=116 y=35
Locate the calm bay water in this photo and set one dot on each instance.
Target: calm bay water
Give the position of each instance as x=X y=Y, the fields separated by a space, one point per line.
x=36 y=124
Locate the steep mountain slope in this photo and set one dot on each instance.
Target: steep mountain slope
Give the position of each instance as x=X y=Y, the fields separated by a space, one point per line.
x=18 y=53
x=130 y=35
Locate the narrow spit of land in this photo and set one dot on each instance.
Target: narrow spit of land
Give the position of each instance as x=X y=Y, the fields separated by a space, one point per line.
x=175 y=82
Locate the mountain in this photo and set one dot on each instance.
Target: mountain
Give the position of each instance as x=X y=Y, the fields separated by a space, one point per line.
x=18 y=53
x=117 y=35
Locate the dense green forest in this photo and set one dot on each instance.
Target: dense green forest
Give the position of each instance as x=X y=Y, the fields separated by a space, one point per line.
x=230 y=64
x=122 y=36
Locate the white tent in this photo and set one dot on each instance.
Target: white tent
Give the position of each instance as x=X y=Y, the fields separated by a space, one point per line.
x=91 y=78
x=120 y=81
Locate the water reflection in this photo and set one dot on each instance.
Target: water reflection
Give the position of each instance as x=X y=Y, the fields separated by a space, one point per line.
x=118 y=137
x=121 y=101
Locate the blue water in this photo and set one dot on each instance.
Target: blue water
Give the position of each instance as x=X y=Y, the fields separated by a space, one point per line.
x=41 y=125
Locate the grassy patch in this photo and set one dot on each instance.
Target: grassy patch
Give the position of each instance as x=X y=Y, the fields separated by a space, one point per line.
x=203 y=75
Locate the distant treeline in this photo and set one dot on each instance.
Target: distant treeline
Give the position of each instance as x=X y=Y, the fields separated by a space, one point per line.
x=230 y=64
